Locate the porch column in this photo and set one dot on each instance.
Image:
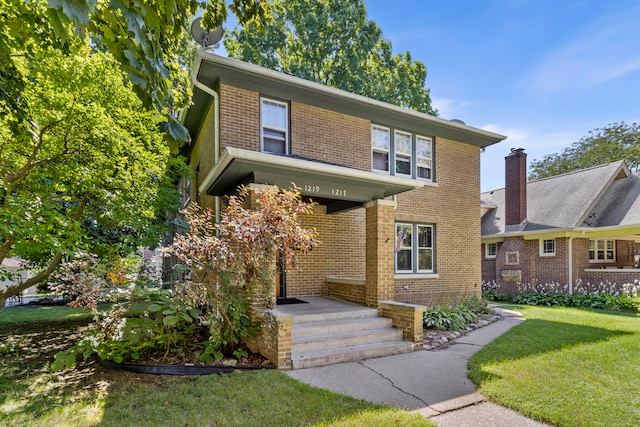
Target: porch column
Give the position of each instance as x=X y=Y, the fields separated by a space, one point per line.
x=380 y=217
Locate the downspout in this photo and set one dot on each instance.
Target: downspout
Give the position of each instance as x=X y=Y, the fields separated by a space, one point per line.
x=216 y=129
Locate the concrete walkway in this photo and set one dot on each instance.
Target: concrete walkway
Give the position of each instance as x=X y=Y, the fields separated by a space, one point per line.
x=433 y=383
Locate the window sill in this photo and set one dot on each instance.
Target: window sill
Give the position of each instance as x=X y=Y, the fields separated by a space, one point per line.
x=416 y=276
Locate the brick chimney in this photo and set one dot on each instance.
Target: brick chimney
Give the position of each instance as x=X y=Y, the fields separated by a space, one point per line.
x=515 y=191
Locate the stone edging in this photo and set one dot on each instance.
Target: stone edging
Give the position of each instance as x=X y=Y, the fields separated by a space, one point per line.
x=434 y=340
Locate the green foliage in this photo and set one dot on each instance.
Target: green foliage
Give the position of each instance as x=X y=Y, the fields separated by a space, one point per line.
x=334 y=43
x=86 y=166
x=455 y=317
x=589 y=300
x=618 y=141
x=144 y=37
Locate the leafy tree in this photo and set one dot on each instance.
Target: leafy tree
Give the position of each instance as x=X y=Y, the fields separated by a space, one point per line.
x=143 y=36
x=332 y=42
x=86 y=168
x=618 y=141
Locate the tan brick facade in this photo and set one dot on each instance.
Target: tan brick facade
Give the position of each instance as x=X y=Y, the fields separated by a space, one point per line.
x=450 y=205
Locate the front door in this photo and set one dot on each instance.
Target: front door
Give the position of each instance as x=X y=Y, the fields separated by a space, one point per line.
x=281 y=277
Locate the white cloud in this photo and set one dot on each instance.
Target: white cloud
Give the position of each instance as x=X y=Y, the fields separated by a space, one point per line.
x=603 y=50
x=451 y=108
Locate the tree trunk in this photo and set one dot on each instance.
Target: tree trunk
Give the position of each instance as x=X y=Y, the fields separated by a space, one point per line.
x=42 y=275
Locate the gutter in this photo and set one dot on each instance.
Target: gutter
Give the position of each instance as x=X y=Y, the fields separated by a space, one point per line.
x=216 y=129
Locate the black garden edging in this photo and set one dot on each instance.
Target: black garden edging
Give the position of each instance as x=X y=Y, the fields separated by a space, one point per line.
x=177 y=369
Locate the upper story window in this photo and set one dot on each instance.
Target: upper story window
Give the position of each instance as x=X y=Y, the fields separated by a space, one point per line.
x=412 y=155
x=414 y=248
x=602 y=250
x=424 y=150
x=380 y=148
x=274 y=129
x=547 y=247
x=404 y=150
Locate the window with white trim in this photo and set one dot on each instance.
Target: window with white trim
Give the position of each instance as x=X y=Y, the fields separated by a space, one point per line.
x=424 y=151
x=414 y=248
x=274 y=126
x=401 y=153
x=547 y=247
x=490 y=250
x=601 y=250
x=380 y=148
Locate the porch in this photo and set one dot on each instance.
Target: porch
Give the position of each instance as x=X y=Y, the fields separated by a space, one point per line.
x=324 y=330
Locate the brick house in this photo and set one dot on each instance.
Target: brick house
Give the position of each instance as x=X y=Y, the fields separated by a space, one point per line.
x=576 y=231
x=397 y=189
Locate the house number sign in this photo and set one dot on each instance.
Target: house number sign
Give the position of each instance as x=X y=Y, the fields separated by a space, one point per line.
x=317 y=189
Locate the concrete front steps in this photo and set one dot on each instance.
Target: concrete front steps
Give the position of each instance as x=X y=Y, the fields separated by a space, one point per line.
x=325 y=339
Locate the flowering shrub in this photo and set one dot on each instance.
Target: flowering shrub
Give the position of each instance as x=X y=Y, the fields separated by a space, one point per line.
x=226 y=267
x=232 y=264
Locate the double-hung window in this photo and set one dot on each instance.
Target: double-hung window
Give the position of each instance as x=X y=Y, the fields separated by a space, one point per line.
x=274 y=129
x=401 y=153
x=414 y=248
x=423 y=157
x=602 y=250
x=380 y=148
x=490 y=250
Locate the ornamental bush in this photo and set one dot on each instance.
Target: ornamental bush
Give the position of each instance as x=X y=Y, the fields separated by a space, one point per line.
x=224 y=268
x=455 y=317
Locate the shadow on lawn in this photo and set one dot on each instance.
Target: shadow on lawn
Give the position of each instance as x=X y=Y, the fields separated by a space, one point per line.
x=534 y=337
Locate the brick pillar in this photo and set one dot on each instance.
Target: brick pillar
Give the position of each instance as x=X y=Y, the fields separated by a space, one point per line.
x=379 y=251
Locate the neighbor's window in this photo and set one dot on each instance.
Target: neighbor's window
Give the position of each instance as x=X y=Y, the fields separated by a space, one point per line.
x=404 y=148
x=602 y=250
x=547 y=247
x=380 y=148
x=414 y=254
x=274 y=126
x=423 y=157
x=490 y=250
x=512 y=258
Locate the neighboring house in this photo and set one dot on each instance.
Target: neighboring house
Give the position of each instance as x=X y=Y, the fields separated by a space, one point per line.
x=397 y=189
x=13 y=272
x=576 y=231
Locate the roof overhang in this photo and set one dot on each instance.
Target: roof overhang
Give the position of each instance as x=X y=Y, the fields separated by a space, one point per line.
x=344 y=187
x=211 y=70
x=627 y=232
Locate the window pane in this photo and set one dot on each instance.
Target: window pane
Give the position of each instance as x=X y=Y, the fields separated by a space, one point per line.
x=403 y=143
x=403 y=260
x=610 y=245
x=403 y=165
x=424 y=237
x=424 y=173
x=423 y=147
x=592 y=244
x=381 y=161
x=274 y=115
x=380 y=138
x=425 y=260
x=274 y=145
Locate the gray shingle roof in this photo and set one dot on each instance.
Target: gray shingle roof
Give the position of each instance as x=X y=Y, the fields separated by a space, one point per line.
x=605 y=195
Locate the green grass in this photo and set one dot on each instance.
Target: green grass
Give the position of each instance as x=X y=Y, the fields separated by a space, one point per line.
x=90 y=395
x=566 y=366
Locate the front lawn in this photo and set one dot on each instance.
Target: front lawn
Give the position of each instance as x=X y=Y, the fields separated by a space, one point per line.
x=32 y=395
x=566 y=366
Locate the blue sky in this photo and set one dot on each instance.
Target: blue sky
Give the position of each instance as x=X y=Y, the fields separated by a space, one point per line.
x=544 y=73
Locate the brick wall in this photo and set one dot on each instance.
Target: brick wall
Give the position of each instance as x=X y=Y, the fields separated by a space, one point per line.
x=330 y=137
x=239 y=118
x=340 y=252
x=452 y=207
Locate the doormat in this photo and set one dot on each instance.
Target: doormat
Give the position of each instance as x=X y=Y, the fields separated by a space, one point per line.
x=285 y=301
